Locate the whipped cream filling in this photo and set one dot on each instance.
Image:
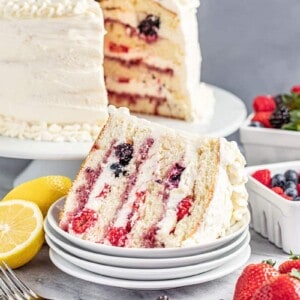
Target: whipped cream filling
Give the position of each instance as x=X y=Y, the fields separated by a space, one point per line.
x=177 y=5
x=47 y=8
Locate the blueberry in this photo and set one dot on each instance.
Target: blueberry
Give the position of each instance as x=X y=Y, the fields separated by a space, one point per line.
x=278 y=180
x=291 y=175
x=124 y=152
x=256 y=124
x=297 y=198
x=291 y=192
x=117 y=168
x=290 y=184
x=149 y=26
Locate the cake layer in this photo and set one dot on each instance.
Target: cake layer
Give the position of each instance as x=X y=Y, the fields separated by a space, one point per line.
x=144 y=185
x=154 y=35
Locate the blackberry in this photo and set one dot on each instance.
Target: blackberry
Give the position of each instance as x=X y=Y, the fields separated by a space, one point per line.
x=280 y=116
x=124 y=152
x=149 y=26
x=117 y=169
x=278 y=100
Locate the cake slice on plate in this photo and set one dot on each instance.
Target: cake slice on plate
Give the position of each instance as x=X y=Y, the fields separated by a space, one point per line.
x=144 y=185
x=152 y=58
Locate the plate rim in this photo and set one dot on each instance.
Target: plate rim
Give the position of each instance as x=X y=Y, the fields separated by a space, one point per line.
x=219 y=272
x=147 y=274
x=145 y=262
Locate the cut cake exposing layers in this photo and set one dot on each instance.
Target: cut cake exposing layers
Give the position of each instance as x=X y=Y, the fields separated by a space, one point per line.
x=152 y=57
x=143 y=185
x=51 y=69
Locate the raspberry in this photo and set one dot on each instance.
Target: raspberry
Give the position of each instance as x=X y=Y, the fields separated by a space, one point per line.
x=295 y=89
x=84 y=220
x=184 y=207
x=117 y=236
x=286 y=197
x=263 y=176
x=113 y=47
x=263 y=117
x=264 y=103
x=278 y=190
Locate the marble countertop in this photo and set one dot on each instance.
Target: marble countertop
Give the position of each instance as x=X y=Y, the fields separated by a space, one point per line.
x=44 y=277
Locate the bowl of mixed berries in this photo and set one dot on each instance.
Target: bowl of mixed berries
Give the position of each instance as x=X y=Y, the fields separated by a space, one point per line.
x=272 y=132
x=274 y=201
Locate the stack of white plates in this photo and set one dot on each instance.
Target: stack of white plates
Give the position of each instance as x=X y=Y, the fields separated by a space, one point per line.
x=146 y=268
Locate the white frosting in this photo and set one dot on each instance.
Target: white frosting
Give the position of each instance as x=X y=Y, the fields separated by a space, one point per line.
x=47 y=8
x=51 y=73
x=41 y=131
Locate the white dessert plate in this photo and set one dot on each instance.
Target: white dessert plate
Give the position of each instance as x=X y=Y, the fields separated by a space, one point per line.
x=219 y=272
x=53 y=220
x=147 y=274
x=229 y=114
x=143 y=263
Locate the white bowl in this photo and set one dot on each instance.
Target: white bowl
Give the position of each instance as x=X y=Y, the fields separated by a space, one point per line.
x=273 y=216
x=235 y=231
x=268 y=145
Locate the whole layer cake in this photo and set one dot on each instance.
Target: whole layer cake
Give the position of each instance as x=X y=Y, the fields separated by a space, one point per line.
x=152 y=58
x=52 y=81
x=143 y=185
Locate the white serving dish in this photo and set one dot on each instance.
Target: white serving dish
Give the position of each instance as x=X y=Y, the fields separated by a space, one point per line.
x=273 y=216
x=268 y=145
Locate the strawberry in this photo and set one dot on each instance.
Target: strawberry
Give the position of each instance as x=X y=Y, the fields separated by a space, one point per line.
x=263 y=176
x=278 y=190
x=263 y=117
x=285 y=286
x=253 y=277
x=292 y=263
x=295 y=89
x=264 y=103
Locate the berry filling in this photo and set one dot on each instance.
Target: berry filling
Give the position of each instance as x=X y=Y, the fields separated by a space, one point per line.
x=106 y=190
x=183 y=208
x=84 y=220
x=117 y=48
x=174 y=176
x=149 y=238
x=117 y=236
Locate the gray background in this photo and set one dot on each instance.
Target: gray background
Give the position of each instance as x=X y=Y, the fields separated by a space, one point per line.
x=249 y=47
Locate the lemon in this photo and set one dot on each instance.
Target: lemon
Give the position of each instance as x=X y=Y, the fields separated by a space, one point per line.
x=21 y=231
x=43 y=191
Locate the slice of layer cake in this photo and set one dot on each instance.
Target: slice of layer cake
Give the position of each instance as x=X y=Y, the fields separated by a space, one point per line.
x=143 y=185
x=152 y=57
x=51 y=70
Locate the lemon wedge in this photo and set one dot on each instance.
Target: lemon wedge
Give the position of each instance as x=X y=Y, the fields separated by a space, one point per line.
x=43 y=191
x=21 y=232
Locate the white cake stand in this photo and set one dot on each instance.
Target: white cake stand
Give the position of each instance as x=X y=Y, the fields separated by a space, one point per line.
x=65 y=158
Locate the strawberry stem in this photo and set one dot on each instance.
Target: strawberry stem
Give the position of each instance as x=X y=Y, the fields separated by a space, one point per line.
x=295 y=273
x=294 y=256
x=269 y=262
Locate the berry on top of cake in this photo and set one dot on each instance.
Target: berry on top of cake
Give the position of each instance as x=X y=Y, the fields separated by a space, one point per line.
x=153 y=59
x=51 y=75
x=145 y=186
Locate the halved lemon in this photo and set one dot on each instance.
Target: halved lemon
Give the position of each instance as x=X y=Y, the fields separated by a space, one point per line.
x=21 y=232
x=43 y=191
